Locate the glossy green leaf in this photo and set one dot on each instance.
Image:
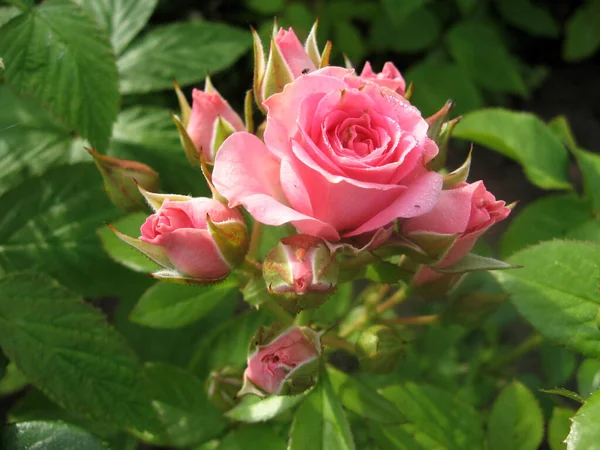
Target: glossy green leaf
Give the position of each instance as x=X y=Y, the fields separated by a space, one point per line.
x=535 y=19
x=169 y=305
x=65 y=347
x=557 y=292
x=550 y=217
x=582 y=35
x=122 y=19
x=436 y=82
x=588 y=377
x=148 y=135
x=119 y=250
x=558 y=427
x=516 y=420
x=362 y=399
x=320 y=423
x=522 y=137
x=59 y=56
x=437 y=415
x=585 y=432
x=261 y=437
x=31 y=142
x=182 y=406
x=49 y=226
x=253 y=409
x=47 y=436
x=187 y=51
x=479 y=49
x=564 y=393
x=589 y=163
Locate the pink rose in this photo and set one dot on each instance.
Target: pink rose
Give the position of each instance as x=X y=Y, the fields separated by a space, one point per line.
x=194 y=248
x=211 y=121
x=468 y=210
x=340 y=158
x=293 y=53
x=389 y=77
x=271 y=365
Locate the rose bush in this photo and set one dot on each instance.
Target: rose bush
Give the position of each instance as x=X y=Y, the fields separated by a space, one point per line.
x=341 y=156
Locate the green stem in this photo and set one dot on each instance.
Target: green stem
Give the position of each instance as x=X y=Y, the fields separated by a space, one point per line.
x=255 y=238
x=359 y=261
x=417 y=320
x=281 y=314
x=397 y=297
x=337 y=342
x=529 y=344
x=303 y=318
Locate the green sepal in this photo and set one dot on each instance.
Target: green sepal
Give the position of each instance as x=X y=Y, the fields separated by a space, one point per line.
x=437 y=120
x=223 y=130
x=231 y=238
x=472 y=262
x=259 y=69
x=459 y=175
x=155 y=252
x=223 y=385
x=191 y=152
x=248 y=119
x=185 y=110
x=311 y=47
x=155 y=201
x=277 y=73
x=325 y=55
x=173 y=276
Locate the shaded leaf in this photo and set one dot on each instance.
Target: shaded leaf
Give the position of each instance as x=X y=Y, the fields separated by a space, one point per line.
x=588 y=377
x=65 y=347
x=582 y=36
x=558 y=427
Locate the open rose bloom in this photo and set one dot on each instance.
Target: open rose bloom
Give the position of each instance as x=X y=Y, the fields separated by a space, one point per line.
x=344 y=163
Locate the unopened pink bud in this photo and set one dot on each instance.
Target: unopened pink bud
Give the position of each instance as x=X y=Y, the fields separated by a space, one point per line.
x=301 y=272
x=389 y=77
x=212 y=120
x=282 y=362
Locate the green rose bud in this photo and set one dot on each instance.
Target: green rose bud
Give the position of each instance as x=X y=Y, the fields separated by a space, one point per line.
x=380 y=349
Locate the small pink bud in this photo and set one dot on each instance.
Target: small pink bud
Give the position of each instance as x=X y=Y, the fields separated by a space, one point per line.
x=282 y=362
x=121 y=180
x=301 y=272
x=212 y=121
x=194 y=239
x=466 y=211
x=389 y=77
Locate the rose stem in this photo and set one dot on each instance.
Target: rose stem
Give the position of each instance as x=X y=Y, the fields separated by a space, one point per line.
x=418 y=320
x=337 y=342
x=273 y=307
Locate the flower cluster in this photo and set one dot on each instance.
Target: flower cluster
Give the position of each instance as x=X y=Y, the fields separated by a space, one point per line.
x=345 y=161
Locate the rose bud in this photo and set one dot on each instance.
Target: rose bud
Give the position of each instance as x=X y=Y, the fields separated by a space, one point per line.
x=301 y=272
x=466 y=211
x=195 y=240
x=380 y=349
x=389 y=77
x=222 y=386
x=287 y=60
x=211 y=121
x=281 y=363
x=121 y=178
